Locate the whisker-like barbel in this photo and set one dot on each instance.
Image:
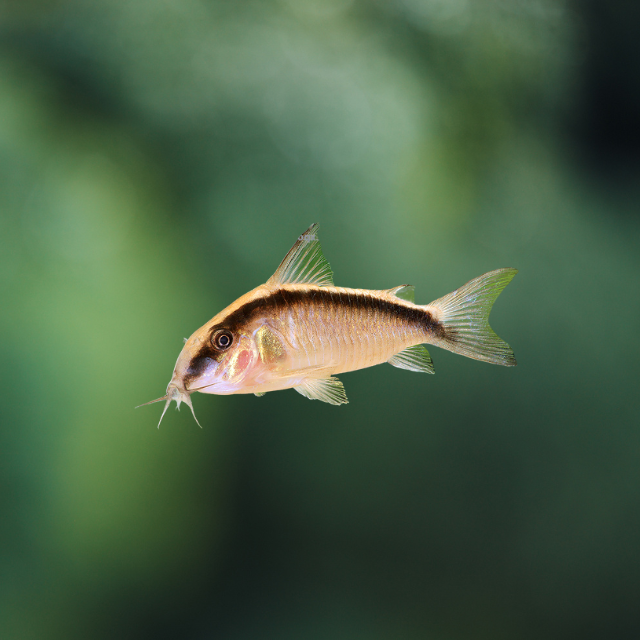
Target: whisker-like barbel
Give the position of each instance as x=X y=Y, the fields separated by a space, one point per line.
x=144 y=404
x=177 y=395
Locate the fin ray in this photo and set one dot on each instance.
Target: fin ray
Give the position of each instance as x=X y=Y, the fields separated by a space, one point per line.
x=329 y=390
x=305 y=263
x=464 y=316
x=415 y=358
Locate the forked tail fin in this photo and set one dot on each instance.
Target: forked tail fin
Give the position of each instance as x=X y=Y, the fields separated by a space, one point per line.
x=463 y=316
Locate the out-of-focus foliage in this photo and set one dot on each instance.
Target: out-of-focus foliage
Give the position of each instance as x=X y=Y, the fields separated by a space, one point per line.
x=158 y=159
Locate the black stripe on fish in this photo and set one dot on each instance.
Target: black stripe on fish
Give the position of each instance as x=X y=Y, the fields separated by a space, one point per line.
x=283 y=298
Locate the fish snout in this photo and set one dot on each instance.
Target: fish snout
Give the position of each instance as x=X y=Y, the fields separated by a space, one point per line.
x=177 y=391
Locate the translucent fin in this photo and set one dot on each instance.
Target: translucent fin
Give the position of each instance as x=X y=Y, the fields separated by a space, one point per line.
x=329 y=390
x=259 y=395
x=414 y=358
x=304 y=264
x=463 y=316
x=404 y=292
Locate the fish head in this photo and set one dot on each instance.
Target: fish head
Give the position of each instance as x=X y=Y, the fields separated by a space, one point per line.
x=222 y=357
x=213 y=360
x=216 y=360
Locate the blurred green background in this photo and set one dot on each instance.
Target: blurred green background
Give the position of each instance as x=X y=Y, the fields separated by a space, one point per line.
x=158 y=159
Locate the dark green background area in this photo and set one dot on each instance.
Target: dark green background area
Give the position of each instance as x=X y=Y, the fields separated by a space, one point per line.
x=157 y=161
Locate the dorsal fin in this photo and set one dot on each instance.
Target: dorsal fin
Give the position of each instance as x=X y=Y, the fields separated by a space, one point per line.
x=404 y=292
x=304 y=264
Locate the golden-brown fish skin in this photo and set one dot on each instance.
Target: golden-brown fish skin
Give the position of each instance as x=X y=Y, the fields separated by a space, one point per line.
x=299 y=330
x=285 y=333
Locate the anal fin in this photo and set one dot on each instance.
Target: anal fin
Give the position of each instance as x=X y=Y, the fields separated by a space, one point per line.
x=415 y=358
x=329 y=390
x=260 y=394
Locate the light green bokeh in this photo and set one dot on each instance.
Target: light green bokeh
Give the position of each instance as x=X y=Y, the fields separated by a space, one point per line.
x=157 y=160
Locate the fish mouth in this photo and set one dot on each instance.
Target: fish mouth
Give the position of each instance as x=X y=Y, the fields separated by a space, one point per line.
x=179 y=394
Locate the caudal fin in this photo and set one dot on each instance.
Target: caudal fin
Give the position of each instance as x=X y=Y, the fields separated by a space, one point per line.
x=464 y=318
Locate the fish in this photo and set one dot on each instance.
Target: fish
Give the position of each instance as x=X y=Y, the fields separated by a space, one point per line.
x=298 y=330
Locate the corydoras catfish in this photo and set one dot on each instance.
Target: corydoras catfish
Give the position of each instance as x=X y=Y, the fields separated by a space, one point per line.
x=299 y=330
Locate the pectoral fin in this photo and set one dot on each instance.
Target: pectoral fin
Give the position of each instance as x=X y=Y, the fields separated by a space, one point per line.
x=329 y=390
x=414 y=358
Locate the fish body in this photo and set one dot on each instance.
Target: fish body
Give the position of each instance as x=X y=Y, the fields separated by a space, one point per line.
x=298 y=331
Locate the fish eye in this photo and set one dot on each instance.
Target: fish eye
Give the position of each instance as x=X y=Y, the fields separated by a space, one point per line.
x=222 y=339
